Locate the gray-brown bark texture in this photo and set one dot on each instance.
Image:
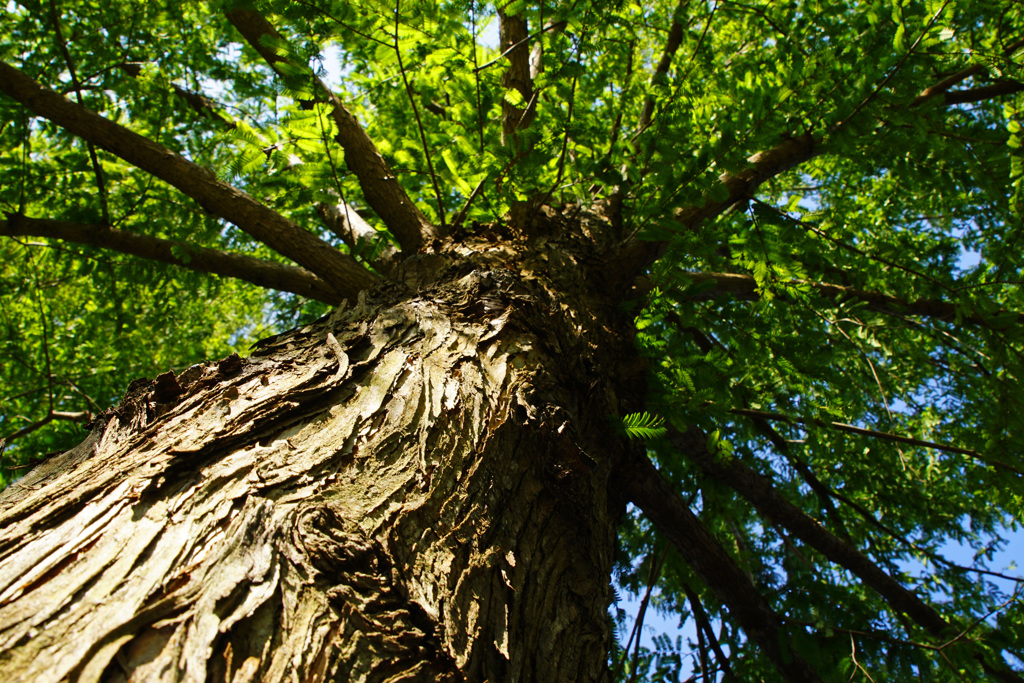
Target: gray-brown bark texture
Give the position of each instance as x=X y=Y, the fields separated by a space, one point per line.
x=417 y=487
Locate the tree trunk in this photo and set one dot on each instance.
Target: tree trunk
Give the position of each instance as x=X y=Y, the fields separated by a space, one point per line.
x=420 y=486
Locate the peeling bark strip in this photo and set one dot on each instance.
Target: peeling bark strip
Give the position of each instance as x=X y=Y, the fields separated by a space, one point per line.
x=340 y=271
x=381 y=188
x=416 y=487
x=204 y=260
x=361 y=238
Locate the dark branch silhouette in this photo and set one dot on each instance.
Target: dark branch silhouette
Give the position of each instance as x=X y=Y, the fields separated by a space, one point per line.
x=653 y=494
x=759 y=491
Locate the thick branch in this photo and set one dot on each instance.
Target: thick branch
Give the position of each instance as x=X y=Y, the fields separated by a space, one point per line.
x=383 y=192
x=675 y=39
x=946 y=83
x=739 y=186
x=653 y=494
x=758 y=490
x=746 y=286
x=637 y=254
x=943 y=86
x=985 y=92
x=202 y=259
x=340 y=271
x=361 y=237
x=513 y=36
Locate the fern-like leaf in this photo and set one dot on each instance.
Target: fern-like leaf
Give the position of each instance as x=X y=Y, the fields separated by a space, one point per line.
x=643 y=426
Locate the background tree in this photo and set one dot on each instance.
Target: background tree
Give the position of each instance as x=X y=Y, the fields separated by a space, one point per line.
x=720 y=300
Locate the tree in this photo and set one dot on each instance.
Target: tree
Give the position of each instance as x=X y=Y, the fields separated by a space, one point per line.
x=720 y=300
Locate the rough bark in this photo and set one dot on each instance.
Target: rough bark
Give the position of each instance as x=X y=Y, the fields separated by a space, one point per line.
x=417 y=487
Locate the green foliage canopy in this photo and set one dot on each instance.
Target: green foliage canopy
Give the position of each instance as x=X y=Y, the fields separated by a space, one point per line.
x=851 y=329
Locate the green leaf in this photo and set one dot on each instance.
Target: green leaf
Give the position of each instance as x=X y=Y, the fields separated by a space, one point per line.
x=514 y=97
x=644 y=426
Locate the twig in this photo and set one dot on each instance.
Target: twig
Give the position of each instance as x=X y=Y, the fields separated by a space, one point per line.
x=704 y=625
x=461 y=215
x=419 y=122
x=80 y=416
x=479 y=101
x=963 y=633
x=888 y=77
x=45 y=339
x=565 y=143
x=849 y=247
x=857 y=665
x=101 y=188
x=653 y=572
x=885 y=436
x=761 y=13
